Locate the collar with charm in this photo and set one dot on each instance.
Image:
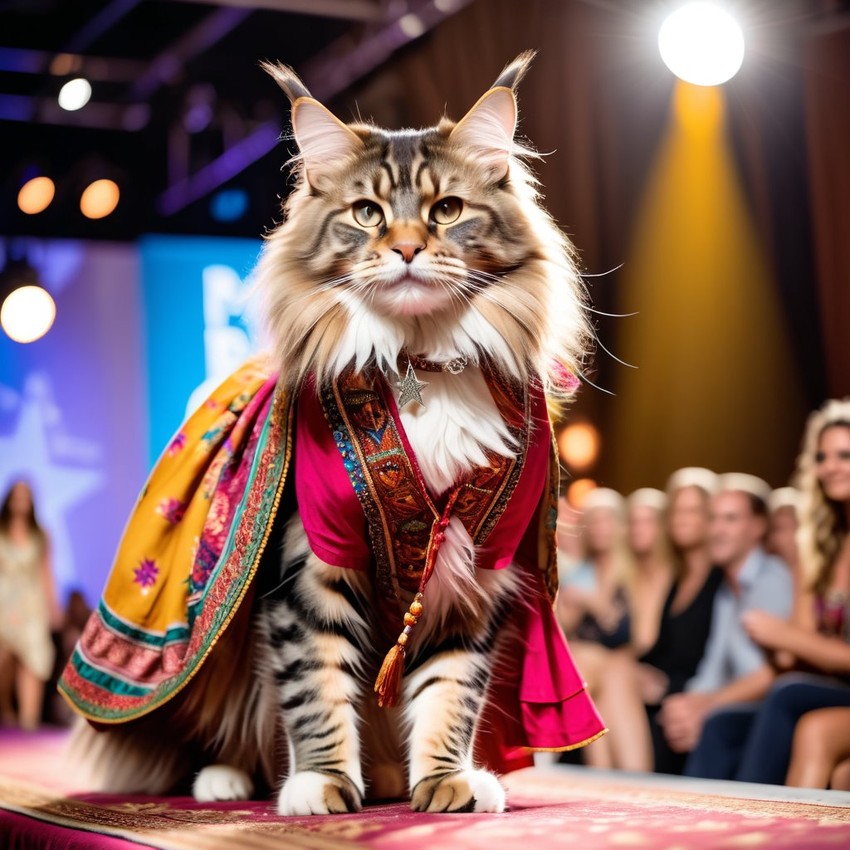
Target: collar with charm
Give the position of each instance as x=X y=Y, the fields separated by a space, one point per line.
x=411 y=387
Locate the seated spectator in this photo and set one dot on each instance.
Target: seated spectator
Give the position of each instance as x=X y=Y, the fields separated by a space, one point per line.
x=783 y=507
x=653 y=568
x=686 y=614
x=734 y=668
x=593 y=608
x=570 y=544
x=816 y=644
x=593 y=601
x=820 y=754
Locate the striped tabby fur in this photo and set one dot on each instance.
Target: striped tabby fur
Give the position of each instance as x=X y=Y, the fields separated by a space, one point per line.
x=370 y=261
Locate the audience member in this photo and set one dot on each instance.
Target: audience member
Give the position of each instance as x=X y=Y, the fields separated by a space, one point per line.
x=816 y=644
x=734 y=668
x=570 y=544
x=686 y=615
x=594 y=609
x=28 y=605
x=653 y=569
x=783 y=507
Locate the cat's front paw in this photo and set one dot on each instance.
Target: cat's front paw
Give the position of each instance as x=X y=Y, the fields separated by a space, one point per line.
x=312 y=793
x=222 y=782
x=465 y=791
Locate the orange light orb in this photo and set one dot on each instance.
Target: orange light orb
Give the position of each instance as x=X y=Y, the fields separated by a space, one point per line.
x=100 y=198
x=578 y=445
x=36 y=195
x=578 y=491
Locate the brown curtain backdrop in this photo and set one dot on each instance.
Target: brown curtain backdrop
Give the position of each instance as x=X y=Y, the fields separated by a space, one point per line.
x=827 y=67
x=598 y=98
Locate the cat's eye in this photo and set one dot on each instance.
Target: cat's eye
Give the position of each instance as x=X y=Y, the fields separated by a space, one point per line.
x=447 y=210
x=367 y=213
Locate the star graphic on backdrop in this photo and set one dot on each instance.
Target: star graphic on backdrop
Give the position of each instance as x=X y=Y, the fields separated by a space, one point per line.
x=411 y=388
x=26 y=451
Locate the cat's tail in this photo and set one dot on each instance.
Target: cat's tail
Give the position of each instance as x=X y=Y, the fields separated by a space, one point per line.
x=139 y=757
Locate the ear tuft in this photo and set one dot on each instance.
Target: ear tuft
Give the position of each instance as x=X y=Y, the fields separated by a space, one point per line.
x=514 y=71
x=488 y=129
x=322 y=138
x=287 y=79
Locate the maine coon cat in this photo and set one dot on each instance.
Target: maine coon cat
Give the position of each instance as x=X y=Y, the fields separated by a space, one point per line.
x=420 y=261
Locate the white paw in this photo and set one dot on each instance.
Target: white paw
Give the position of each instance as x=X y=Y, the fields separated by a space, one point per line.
x=466 y=791
x=313 y=793
x=221 y=782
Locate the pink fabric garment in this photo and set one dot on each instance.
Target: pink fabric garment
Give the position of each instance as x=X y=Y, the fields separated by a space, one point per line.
x=333 y=517
x=540 y=700
x=329 y=508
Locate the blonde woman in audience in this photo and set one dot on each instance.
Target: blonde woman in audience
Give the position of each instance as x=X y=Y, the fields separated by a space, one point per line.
x=653 y=568
x=685 y=618
x=817 y=641
x=594 y=608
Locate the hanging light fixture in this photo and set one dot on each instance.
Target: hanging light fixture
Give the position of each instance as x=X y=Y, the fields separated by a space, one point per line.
x=27 y=310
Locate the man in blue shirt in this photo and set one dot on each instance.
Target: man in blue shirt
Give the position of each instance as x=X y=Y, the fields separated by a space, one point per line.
x=734 y=668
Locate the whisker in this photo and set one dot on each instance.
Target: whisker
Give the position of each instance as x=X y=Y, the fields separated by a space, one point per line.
x=588 y=381
x=613 y=356
x=603 y=274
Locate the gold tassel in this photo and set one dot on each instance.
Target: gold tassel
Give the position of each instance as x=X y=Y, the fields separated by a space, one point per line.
x=388 y=683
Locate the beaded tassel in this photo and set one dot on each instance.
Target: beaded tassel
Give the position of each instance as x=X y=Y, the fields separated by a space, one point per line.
x=388 y=683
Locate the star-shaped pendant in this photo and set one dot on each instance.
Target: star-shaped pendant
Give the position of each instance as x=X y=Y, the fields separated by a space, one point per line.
x=411 y=388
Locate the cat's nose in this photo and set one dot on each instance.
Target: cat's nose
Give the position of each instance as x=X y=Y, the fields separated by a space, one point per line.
x=408 y=250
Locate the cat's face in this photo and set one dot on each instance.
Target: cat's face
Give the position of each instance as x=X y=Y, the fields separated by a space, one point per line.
x=429 y=241
x=411 y=223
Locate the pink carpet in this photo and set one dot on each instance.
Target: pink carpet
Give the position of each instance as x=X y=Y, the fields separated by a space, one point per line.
x=38 y=809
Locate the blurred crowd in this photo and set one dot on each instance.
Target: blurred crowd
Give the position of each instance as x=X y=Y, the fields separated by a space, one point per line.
x=711 y=620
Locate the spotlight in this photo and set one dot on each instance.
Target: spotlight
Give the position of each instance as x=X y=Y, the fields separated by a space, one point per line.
x=36 y=195
x=27 y=311
x=578 y=445
x=701 y=44
x=100 y=198
x=75 y=94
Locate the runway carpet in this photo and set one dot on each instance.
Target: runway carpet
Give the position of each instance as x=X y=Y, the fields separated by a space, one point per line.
x=548 y=808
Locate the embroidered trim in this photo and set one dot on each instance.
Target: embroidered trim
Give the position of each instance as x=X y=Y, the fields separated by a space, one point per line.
x=400 y=514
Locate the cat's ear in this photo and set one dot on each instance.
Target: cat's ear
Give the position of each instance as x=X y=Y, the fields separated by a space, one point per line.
x=322 y=138
x=488 y=130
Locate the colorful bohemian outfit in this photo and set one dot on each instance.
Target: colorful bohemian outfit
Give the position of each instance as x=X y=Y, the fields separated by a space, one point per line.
x=193 y=546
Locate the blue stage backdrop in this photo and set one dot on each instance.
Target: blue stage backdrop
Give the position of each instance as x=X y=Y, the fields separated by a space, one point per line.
x=141 y=334
x=73 y=410
x=200 y=322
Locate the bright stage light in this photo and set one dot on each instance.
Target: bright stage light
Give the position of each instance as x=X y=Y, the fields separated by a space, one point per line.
x=36 y=195
x=27 y=313
x=75 y=94
x=100 y=198
x=702 y=44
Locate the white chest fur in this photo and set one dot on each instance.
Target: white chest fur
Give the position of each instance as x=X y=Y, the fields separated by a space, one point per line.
x=459 y=420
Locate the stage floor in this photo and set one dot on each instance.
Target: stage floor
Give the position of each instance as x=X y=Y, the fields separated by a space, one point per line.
x=554 y=806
